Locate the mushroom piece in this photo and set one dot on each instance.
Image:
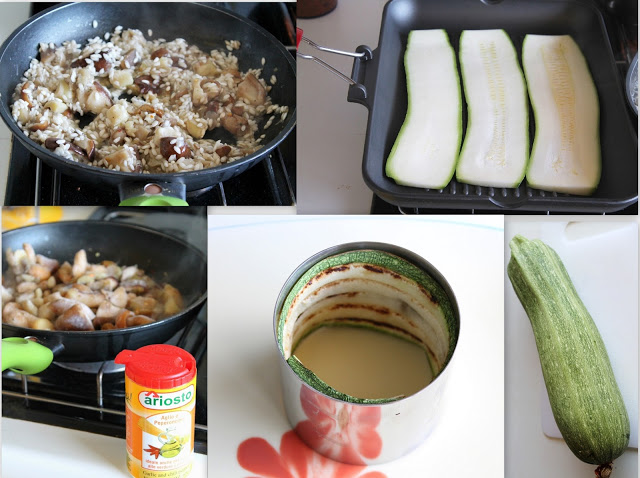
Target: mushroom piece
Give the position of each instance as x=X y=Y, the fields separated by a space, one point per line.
x=146 y=84
x=129 y=59
x=236 y=125
x=118 y=297
x=174 y=147
x=50 y=264
x=126 y=159
x=142 y=305
x=98 y=98
x=107 y=309
x=88 y=297
x=13 y=314
x=100 y=63
x=136 y=320
x=223 y=151
x=78 y=317
x=80 y=263
x=251 y=91
x=100 y=322
x=64 y=273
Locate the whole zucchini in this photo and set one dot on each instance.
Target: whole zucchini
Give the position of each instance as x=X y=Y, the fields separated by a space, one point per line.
x=585 y=398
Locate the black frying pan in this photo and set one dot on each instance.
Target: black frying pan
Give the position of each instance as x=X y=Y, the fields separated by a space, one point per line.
x=205 y=26
x=163 y=257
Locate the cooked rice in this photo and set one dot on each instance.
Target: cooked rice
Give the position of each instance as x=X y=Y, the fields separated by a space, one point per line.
x=148 y=114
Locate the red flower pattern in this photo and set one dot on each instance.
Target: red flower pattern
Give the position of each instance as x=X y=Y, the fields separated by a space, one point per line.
x=339 y=431
x=295 y=460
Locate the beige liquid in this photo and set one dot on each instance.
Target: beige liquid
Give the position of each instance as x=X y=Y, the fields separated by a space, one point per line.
x=365 y=363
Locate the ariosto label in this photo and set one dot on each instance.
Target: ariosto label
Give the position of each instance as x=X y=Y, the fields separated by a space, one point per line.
x=158 y=400
x=160 y=431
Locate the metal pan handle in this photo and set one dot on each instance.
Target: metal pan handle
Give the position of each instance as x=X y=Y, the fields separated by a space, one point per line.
x=357 y=90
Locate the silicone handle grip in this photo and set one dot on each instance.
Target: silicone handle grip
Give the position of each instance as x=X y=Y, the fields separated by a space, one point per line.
x=154 y=201
x=25 y=356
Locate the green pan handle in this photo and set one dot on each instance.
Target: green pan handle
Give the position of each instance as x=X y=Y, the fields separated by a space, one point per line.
x=152 y=194
x=153 y=201
x=25 y=356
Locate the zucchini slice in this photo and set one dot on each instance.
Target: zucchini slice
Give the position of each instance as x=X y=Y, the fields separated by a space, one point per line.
x=496 y=144
x=566 y=150
x=584 y=395
x=426 y=148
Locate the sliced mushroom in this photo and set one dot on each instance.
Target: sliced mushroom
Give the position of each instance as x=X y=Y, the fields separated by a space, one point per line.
x=223 y=150
x=129 y=59
x=40 y=126
x=98 y=98
x=78 y=317
x=24 y=95
x=160 y=52
x=107 y=309
x=122 y=158
x=80 y=263
x=40 y=272
x=236 y=125
x=90 y=298
x=145 y=84
x=137 y=320
x=251 y=91
x=142 y=305
x=176 y=147
x=118 y=297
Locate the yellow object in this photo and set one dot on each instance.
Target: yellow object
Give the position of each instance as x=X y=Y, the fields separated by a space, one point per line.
x=14 y=217
x=147 y=427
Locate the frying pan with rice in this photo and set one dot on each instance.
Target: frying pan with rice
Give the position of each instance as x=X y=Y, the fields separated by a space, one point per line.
x=207 y=27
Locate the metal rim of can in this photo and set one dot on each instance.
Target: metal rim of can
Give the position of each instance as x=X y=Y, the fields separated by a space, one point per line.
x=401 y=252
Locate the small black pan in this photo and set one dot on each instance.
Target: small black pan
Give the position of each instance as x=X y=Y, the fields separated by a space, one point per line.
x=163 y=257
x=205 y=26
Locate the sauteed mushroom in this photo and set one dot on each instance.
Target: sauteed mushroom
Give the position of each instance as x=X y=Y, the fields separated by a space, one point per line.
x=40 y=293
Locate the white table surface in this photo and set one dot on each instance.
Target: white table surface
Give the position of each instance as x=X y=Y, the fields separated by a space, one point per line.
x=331 y=131
x=12 y=15
x=251 y=257
x=31 y=449
x=529 y=453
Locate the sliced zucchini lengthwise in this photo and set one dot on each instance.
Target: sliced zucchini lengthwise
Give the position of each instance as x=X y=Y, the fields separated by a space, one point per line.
x=566 y=150
x=585 y=398
x=426 y=148
x=496 y=145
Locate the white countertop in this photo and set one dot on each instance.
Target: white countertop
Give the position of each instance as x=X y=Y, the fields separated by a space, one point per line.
x=31 y=449
x=529 y=452
x=252 y=256
x=331 y=131
x=12 y=15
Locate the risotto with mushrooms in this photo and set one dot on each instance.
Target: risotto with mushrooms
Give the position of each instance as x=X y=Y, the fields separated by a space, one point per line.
x=127 y=103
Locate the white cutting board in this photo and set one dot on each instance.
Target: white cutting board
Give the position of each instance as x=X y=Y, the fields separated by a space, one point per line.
x=602 y=261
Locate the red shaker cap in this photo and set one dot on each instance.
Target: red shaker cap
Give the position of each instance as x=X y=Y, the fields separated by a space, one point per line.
x=299 y=34
x=158 y=366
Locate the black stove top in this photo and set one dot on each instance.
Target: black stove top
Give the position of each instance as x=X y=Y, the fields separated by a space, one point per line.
x=90 y=396
x=271 y=182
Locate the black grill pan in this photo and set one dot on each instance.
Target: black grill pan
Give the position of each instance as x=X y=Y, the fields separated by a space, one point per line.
x=382 y=89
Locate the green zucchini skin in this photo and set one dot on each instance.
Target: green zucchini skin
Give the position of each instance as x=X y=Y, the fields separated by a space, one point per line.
x=585 y=398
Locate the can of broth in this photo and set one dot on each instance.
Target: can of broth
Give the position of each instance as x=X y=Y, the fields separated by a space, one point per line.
x=160 y=395
x=366 y=332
